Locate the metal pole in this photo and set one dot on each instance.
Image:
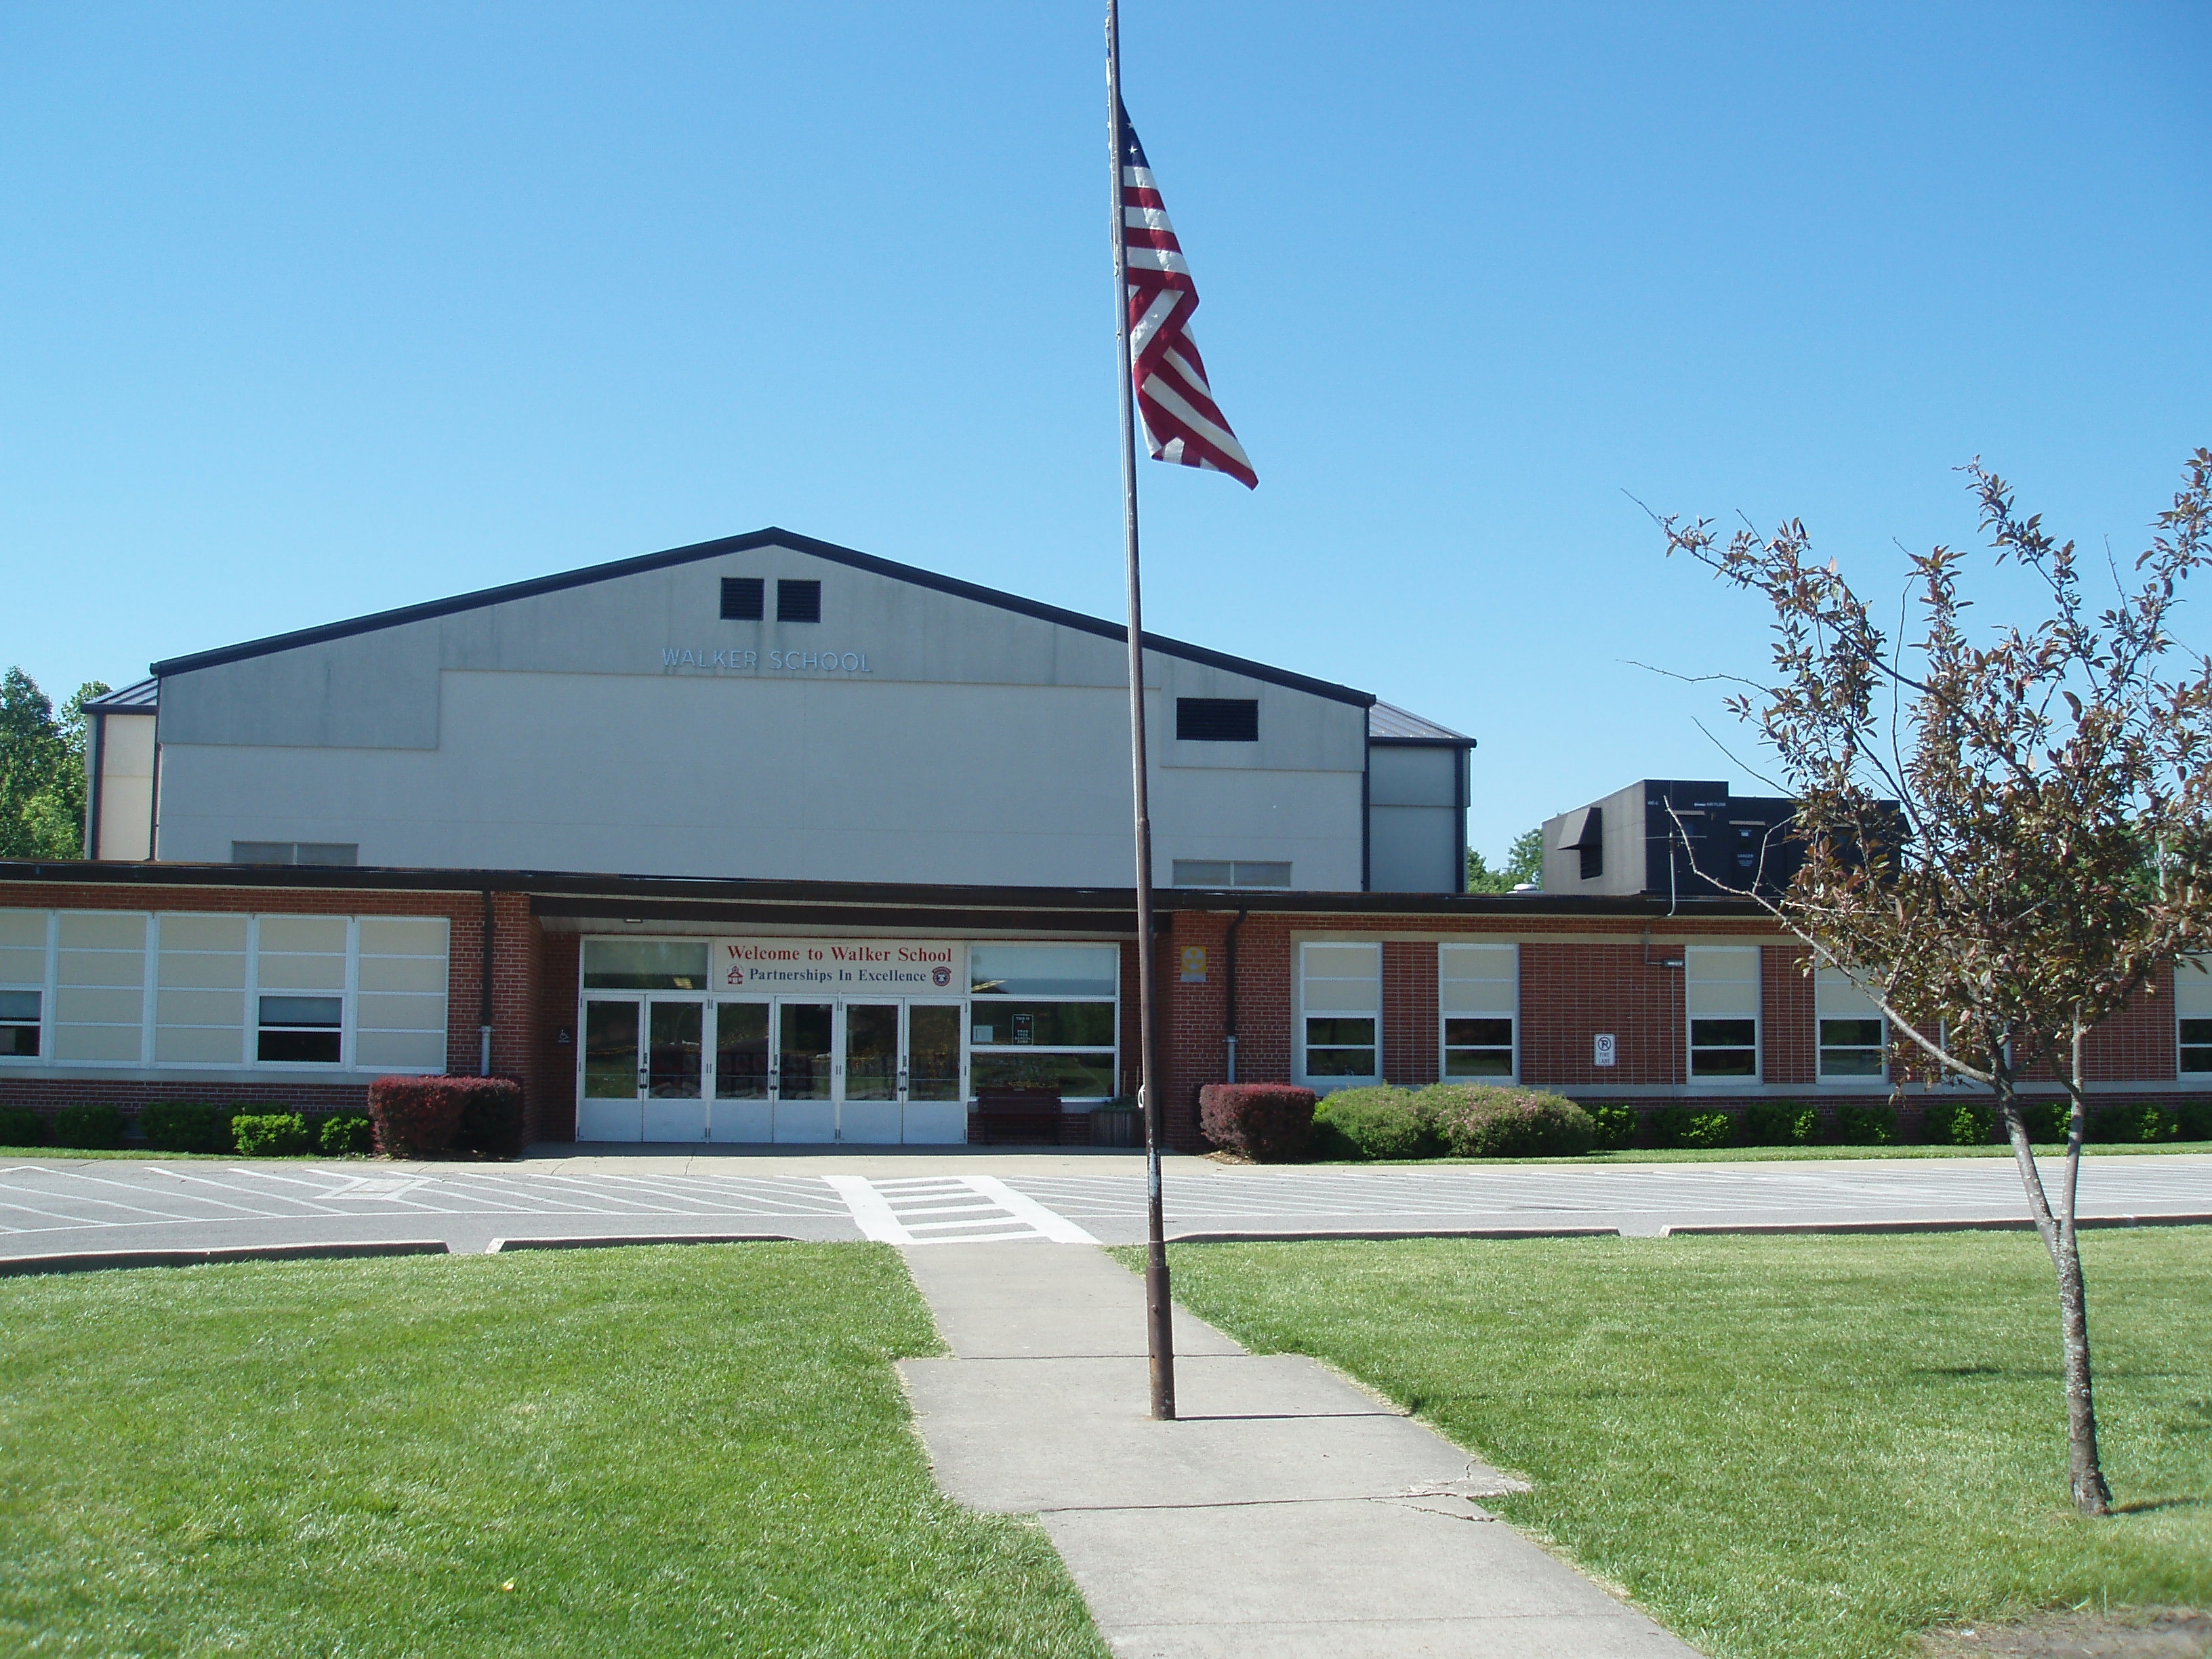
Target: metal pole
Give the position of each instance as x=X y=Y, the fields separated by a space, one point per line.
x=1158 y=1307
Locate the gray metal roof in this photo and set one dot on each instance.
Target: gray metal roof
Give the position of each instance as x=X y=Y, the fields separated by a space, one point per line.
x=1385 y=719
x=142 y=698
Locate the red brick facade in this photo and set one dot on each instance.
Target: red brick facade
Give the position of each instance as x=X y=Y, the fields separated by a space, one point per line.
x=1580 y=976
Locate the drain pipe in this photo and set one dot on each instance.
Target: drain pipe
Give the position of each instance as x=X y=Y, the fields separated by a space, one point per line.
x=1229 y=1014
x=483 y=1015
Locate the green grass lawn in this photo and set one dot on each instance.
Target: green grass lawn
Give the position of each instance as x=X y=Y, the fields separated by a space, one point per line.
x=668 y=1451
x=1784 y=1446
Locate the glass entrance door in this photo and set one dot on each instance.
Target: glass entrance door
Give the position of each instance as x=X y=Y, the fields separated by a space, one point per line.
x=869 y=1112
x=608 y=1107
x=936 y=1101
x=741 y=1111
x=675 y=1070
x=804 y=1081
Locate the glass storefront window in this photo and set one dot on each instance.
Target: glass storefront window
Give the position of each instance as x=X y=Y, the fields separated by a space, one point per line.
x=645 y=964
x=1043 y=1025
x=1077 y=1077
x=1044 y=971
x=741 y=1051
x=932 y=1052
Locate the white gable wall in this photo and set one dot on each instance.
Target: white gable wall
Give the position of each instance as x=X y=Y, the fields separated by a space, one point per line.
x=979 y=744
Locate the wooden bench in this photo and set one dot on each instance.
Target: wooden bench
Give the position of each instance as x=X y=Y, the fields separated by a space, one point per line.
x=1019 y=1117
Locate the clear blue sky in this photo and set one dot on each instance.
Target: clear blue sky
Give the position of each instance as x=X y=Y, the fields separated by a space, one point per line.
x=311 y=311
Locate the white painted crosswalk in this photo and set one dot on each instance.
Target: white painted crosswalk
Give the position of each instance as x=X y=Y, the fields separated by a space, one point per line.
x=975 y=1209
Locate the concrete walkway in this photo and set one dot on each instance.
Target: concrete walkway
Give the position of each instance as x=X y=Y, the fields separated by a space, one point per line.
x=1286 y=1514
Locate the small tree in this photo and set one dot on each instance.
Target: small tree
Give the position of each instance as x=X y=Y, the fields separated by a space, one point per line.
x=42 y=778
x=1524 y=862
x=2006 y=834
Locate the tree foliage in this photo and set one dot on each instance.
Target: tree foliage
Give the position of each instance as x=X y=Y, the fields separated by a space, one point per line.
x=42 y=777
x=2006 y=828
x=1524 y=862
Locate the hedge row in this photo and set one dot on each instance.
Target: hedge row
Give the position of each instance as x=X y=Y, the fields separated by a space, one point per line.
x=408 y=1117
x=1275 y=1123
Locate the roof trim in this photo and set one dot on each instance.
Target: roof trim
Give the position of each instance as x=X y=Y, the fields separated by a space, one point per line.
x=920 y=899
x=770 y=537
x=142 y=698
x=1387 y=723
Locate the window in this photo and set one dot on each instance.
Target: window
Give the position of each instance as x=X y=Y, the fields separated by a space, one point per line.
x=798 y=601
x=300 y=971
x=1232 y=872
x=99 y=988
x=1216 y=720
x=19 y=1024
x=744 y=598
x=1044 y=1017
x=1854 y=1038
x=22 y=982
x=301 y=1030
x=1479 y=993
x=1723 y=982
x=223 y=991
x=200 y=978
x=400 y=996
x=1340 y=1009
x=296 y=852
x=2192 y=1008
x=645 y=964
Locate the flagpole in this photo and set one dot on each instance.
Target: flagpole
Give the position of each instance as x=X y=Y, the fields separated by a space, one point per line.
x=1159 y=1328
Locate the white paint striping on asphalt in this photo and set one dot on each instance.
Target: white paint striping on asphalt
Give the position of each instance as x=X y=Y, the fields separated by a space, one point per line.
x=950 y=1210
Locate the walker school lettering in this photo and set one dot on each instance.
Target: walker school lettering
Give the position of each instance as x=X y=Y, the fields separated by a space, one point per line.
x=846 y=966
x=778 y=662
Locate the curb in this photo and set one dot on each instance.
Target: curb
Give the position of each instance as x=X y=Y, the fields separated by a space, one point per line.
x=97 y=1260
x=504 y=1246
x=2007 y=1224
x=1385 y=1234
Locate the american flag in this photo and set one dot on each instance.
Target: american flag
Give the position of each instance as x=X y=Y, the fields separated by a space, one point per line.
x=1182 y=423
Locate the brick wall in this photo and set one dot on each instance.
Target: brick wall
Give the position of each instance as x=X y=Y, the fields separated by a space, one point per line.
x=1412 y=1038
x=1789 y=1033
x=1570 y=992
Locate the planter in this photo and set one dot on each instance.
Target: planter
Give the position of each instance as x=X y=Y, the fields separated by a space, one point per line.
x=1109 y=1128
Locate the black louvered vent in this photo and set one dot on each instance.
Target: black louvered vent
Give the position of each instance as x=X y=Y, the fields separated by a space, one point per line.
x=744 y=598
x=1217 y=719
x=798 y=601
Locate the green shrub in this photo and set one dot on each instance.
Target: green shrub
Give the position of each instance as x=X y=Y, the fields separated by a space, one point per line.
x=186 y=1126
x=270 y=1134
x=88 y=1128
x=21 y=1126
x=1867 y=1126
x=1379 y=1122
x=1958 y=1120
x=1616 y=1127
x=1780 y=1123
x=344 y=1135
x=1693 y=1126
x=2196 y=1119
x=2145 y=1122
x=2047 y=1121
x=1475 y=1120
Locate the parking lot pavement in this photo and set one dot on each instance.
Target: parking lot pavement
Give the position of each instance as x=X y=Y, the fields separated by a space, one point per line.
x=52 y=1205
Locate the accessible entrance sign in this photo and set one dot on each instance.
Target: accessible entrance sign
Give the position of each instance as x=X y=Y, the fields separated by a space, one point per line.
x=842 y=967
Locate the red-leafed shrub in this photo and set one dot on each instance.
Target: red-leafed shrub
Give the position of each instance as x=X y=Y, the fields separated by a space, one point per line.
x=1267 y=1122
x=425 y=1116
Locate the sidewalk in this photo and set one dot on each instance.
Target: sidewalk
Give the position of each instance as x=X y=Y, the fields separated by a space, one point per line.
x=1287 y=1514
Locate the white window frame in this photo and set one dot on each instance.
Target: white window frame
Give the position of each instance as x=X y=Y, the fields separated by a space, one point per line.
x=1830 y=979
x=345 y=1069
x=1692 y=1015
x=1303 y=1012
x=2191 y=973
x=969 y=1002
x=1445 y=1014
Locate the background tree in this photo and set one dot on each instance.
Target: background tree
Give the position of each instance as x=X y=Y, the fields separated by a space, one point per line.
x=1524 y=862
x=42 y=778
x=2006 y=828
